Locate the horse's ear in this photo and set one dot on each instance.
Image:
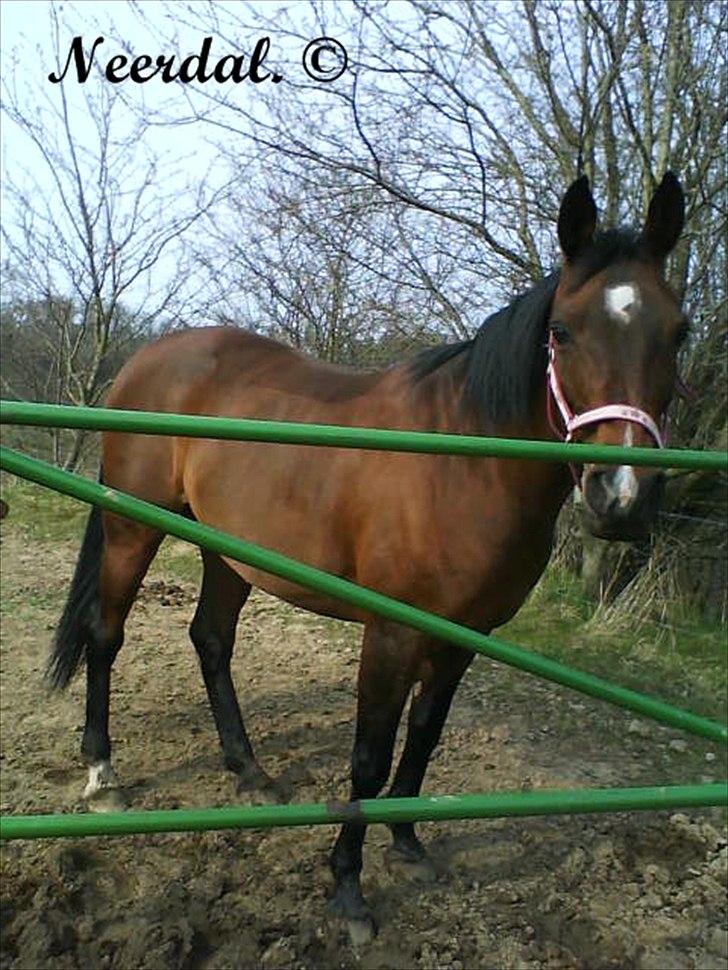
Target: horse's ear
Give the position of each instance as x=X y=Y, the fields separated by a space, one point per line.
x=665 y=218
x=577 y=218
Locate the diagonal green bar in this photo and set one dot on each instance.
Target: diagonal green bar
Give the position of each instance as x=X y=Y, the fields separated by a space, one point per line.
x=388 y=810
x=366 y=599
x=286 y=432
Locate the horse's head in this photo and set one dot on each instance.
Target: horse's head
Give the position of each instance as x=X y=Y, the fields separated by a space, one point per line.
x=614 y=332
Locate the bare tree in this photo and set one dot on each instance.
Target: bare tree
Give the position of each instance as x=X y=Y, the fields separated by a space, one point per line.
x=472 y=118
x=310 y=270
x=94 y=240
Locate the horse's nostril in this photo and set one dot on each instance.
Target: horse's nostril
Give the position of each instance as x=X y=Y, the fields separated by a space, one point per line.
x=612 y=491
x=600 y=498
x=617 y=494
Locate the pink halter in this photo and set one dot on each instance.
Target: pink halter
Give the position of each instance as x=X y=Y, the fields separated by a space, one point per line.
x=607 y=412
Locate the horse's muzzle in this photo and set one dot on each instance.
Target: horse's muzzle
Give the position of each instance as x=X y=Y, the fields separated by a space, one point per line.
x=620 y=503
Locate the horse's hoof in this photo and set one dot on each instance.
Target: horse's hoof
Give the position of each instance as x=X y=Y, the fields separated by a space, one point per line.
x=258 y=788
x=107 y=800
x=359 y=921
x=361 y=931
x=415 y=867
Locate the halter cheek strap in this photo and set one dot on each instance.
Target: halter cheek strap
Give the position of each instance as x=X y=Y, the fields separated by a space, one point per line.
x=607 y=412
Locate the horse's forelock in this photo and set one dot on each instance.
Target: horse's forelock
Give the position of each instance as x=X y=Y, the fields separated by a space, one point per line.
x=612 y=246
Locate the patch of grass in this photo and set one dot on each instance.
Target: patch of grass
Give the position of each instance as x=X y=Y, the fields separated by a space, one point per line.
x=178 y=560
x=684 y=662
x=41 y=514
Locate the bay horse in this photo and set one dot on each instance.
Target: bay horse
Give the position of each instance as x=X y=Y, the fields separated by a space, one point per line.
x=589 y=352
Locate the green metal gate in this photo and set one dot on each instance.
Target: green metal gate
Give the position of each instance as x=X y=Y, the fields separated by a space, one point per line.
x=373 y=810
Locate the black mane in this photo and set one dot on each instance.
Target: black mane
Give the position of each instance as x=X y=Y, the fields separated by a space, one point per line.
x=505 y=362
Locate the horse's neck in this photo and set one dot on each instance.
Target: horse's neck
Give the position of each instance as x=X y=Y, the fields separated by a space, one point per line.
x=544 y=486
x=549 y=483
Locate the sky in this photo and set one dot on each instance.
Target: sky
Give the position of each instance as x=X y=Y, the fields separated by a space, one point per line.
x=26 y=58
x=26 y=52
x=26 y=46
x=26 y=37
x=188 y=153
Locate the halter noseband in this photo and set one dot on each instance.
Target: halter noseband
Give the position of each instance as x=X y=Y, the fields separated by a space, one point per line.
x=607 y=412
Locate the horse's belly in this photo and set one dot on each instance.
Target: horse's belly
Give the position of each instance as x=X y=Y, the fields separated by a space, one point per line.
x=287 y=499
x=302 y=597
x=371 y=519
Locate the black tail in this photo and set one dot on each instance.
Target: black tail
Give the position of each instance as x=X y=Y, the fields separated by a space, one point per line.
x=72 y=633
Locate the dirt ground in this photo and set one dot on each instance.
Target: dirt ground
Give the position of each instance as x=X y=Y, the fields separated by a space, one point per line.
x=645 y=890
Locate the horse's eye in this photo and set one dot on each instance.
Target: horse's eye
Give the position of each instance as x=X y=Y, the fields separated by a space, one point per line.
x=560 y=334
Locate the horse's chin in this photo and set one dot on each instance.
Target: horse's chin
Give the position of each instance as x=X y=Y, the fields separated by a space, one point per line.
x=620 y=530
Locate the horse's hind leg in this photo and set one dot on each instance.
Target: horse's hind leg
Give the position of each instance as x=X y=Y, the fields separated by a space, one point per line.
x=212 y=632
x=428 y=713
x=129 y=548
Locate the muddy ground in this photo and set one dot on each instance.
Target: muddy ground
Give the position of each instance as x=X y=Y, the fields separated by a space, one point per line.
x=642 y=890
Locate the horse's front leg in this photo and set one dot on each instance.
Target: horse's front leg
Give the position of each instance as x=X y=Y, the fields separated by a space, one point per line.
x=428 y=712
x=385 y=676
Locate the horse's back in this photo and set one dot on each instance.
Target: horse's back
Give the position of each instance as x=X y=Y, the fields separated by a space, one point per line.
x=223 y=371
x=208 y=367
x=263 y=492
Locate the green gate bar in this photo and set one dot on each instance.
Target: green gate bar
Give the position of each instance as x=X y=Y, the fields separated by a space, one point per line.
x=433 y=808
x=366 y=599
x=286 y=432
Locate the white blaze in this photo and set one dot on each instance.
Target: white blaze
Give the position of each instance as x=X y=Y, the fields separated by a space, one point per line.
x=625 y=480
x=622 y=302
